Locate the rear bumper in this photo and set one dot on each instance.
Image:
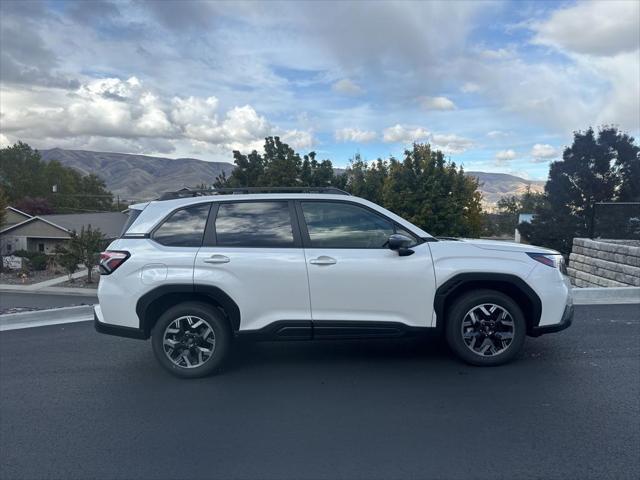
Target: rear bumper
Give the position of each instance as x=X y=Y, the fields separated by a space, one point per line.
x=565 y=322
x=116 y=330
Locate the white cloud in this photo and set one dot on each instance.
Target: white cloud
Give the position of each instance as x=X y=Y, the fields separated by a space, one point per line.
x=593 y=28
x=497 y=134
x=4 y=141
x=451 y=143
x=506 y=155
x=354 y=135
x=436 y=103
x=298 y=138
x=347 y=87
x=542 y=152
x=447 y=143
x=124 y=114
x=193 y=110
x=404 y=134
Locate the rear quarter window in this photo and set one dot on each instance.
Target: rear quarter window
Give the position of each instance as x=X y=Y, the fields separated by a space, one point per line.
x=133 y=214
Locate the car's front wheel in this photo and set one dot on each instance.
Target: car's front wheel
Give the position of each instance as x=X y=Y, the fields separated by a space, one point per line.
x=486 y=328
x=191 y=339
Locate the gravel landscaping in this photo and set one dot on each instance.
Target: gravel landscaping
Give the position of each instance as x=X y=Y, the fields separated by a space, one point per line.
x=21 y=278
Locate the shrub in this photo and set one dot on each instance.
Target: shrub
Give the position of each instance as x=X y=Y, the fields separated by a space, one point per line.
x=39 y=261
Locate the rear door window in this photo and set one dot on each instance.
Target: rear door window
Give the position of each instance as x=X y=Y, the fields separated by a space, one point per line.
x=254 y=224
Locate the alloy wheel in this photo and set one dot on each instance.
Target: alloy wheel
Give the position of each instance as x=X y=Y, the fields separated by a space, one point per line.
x=488 y=329
x=189 y=341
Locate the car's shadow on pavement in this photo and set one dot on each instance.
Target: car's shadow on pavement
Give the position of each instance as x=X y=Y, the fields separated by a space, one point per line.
x=246 y=354
x=281 y=358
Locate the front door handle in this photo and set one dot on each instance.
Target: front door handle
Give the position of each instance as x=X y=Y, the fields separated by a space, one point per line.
x=323 y=260
x=217 y=259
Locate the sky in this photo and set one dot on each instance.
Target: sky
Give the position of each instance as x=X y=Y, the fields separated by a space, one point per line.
x=498 y=86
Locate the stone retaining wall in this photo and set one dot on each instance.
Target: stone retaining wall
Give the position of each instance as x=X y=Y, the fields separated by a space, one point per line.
x=604 y=263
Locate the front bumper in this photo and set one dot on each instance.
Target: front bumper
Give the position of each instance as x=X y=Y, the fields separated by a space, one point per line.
x=116 y=330
x=565 y=322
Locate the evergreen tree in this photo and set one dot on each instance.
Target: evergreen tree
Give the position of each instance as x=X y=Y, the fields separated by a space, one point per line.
x=423 y=188
x=595 y=168
x=86 y=247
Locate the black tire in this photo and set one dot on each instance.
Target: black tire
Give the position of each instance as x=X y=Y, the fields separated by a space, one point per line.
x=458 y=312
x=221 y=334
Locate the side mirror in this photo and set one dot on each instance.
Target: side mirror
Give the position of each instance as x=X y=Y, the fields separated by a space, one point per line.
x=400 y=243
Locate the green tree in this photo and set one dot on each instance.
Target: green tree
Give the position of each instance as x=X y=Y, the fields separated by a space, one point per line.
x=278 y=166
x=511 y=206
x=433 y=193
x=282 y=165
x=595 y=168
x=86 y=246
x=23 y=174
x=366 y=180
x=67 y=259
x=424 y=188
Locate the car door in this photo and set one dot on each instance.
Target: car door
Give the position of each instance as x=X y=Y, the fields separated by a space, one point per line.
x=252 y=251
x=353 y=276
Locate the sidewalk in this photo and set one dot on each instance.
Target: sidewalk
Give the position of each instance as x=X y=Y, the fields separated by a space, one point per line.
x=49 y=286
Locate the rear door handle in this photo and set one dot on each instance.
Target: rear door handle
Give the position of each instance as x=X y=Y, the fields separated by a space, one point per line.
x=217 y=259
x=323 y=260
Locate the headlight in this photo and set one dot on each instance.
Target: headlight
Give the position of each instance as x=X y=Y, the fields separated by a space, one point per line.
x=550 y=260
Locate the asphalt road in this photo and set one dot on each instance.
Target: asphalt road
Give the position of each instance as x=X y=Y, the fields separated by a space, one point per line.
x=42 y=300
x=75 y=404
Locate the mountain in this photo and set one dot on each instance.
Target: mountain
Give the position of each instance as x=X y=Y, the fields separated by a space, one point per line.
x=141 y=177
x=494 y=186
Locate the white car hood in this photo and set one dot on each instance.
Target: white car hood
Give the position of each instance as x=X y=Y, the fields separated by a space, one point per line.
x=506 y=246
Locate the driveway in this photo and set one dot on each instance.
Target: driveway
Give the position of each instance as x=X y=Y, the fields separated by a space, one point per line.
x=76 y=404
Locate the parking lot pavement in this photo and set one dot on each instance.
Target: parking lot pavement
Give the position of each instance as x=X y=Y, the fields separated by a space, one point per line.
x=76 y=404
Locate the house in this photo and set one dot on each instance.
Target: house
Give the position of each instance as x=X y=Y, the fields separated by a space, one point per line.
x=13 y=216
x=41 y=233
x=522 y=218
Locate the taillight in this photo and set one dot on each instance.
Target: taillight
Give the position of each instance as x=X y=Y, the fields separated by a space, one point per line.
x=550 y=260
x=111 y=260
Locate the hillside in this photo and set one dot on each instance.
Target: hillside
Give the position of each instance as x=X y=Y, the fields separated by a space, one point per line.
x=141 y=177
x=494 y=186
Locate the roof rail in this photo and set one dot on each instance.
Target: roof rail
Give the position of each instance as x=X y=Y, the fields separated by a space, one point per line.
x=186 y=193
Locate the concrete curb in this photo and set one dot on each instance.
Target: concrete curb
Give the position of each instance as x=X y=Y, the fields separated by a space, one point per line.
x=39 y=318
x=606 y=296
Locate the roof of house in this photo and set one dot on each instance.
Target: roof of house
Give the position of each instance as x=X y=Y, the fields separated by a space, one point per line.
x=109 y=223
x=19 y=212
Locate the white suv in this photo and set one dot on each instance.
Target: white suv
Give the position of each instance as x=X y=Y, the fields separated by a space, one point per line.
x=193 y=273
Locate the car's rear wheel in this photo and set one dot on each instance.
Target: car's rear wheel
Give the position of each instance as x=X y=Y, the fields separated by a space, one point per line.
x=191 y=339
x=485 y=327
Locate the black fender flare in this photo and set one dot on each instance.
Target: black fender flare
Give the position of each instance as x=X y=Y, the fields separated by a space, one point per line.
x=189 y=291
x=462 y=281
